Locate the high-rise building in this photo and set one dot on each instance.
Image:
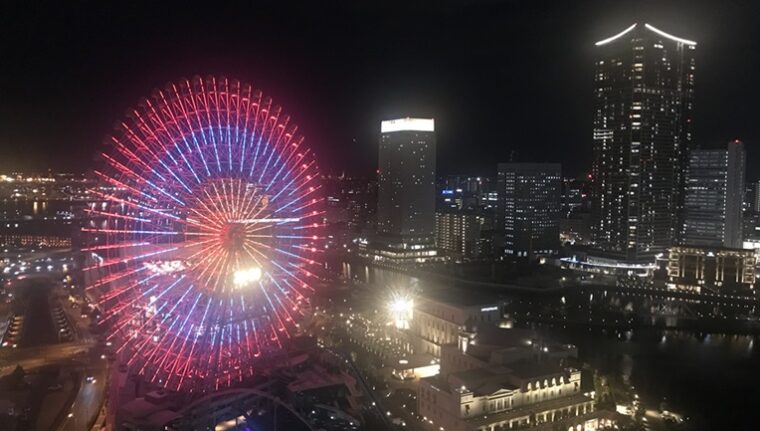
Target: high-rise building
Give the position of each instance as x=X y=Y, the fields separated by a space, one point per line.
x=754 y=201
x=459 y=233
x=575 y=220
x=350 y=204
x=351 y=201
x=406 y=190
x=575 y=196
x=714 y=197
x=529 y=208
x=643 y=123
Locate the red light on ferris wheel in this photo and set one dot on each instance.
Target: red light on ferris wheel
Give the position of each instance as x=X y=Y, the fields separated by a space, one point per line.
x=207 y=237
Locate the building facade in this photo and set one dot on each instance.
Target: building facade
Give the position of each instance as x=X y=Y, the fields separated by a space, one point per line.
x=458 y=233
x=507 y=379
x=529 y=208
x=643 y=129
x=438 y=322
x=711 y=269
x=406 y=190
x=714 y=201
x=754 y=198
x=432 y=320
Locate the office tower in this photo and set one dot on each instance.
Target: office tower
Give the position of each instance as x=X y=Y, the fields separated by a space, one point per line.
x=714 y=197
x=459 y=233
x=349 y=209
x=529 y=208
x=754 y=198
x=643 y=104
x=406 y=190
x=350 y=202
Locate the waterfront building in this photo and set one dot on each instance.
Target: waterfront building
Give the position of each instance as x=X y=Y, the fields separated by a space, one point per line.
x=643 y=130
x=430 y=321
x=406 y=191
x=505 y=379
x=439 y=319
x=711 y=269
x=714 y=197
x=575 y=217
x=458 y=233
x=529 y=208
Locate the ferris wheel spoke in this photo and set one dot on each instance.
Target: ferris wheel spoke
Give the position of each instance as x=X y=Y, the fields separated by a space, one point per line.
x=140 y=179
x=126 y=318
x=174 y=336
x=113 y=277
x=152 y=335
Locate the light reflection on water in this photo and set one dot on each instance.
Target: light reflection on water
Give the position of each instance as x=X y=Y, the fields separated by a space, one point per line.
x=16 y=209
x=691 y=371
x=710 y=377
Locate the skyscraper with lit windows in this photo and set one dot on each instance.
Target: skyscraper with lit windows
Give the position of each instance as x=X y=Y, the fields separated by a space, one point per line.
x=406 y=190
x=715 y=197
x=643 y=123
x=529 y=208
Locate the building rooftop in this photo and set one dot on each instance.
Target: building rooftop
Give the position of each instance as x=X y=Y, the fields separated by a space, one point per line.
x=408 y=125
x=491 y=341
x=483 y=381
x=648 y=27
x=534 y=369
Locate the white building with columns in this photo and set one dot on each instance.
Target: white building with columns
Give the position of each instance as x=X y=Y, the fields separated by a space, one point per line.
x=499 y=379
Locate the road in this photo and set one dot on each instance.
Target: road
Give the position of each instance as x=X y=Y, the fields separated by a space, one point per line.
x=78 y=357
x=35 y=357
x=89 y=399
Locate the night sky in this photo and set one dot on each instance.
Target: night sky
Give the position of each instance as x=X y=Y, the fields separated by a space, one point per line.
x=497 y=76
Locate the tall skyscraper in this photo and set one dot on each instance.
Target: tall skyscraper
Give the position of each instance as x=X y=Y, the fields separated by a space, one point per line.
x=406 y=190
x=715 y=197
x=643 y=104
x=529 y=208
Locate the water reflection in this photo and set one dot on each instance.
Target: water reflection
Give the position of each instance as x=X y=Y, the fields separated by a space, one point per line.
x=688 y=370
x=711 y=377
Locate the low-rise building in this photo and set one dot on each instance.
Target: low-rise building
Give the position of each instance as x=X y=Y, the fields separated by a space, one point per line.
x=696 y=268
x=410 y=340
x=497 y=378
x=438 y=320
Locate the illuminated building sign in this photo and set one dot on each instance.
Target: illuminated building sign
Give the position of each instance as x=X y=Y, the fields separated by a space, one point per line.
x=408 y=125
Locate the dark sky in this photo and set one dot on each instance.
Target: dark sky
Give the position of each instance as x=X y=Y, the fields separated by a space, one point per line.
x=497 y=76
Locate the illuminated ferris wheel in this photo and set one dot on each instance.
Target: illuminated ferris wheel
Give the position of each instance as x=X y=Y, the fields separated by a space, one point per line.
x=207 y=238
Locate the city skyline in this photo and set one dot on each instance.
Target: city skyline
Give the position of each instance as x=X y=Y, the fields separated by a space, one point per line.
x=465 y=215
x=476 y=106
